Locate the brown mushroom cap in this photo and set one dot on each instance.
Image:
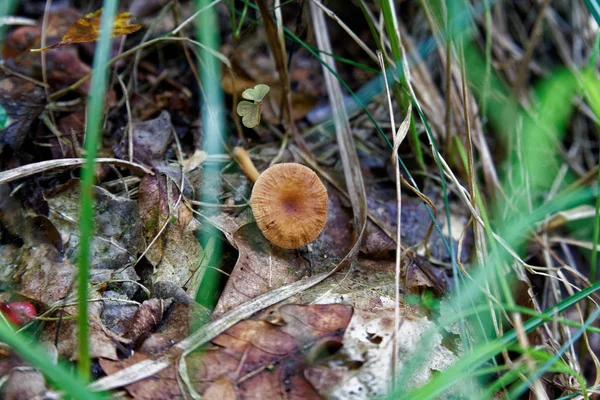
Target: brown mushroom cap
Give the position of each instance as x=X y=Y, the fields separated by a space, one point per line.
x=289 y=203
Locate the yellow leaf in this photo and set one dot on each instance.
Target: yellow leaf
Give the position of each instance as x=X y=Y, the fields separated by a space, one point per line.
x=87 y=29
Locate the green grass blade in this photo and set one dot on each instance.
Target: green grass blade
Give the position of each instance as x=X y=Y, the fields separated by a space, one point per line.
x=6 y=8
x=35 y=355
x=461 y=369
x=591 y=86
x=212 y=117
x=95 y=115
x=520 y=389
x=594 y=9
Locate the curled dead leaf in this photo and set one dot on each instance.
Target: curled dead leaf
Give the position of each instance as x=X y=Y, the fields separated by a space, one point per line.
x=87 y=29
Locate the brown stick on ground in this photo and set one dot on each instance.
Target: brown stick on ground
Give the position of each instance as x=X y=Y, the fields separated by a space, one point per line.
x=243 y=159
x=278 y=52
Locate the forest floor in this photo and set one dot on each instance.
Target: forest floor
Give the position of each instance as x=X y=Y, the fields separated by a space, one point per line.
x=453 y=256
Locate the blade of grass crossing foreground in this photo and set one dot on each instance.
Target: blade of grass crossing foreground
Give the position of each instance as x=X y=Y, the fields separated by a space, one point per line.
x=390 y=22
x=31 y=352
x=95 y=114
x=35 y=355
x=6 y=8
x=520 y=389
x=212 y=117
x=594 y=8
x=361 y=101
x=592 y=96
x=460 y=371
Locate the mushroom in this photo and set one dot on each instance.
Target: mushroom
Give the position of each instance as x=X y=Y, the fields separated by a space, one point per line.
x=289 y=203
x=241 y=156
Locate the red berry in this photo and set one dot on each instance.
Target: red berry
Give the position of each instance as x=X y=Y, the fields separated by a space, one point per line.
x=18 y=312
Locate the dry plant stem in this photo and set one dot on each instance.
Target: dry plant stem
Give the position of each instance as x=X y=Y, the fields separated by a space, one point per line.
x=278 y=51
x=43 y=38
x=280 y=36
x=243 y=159
x=347 y=29
x=47 y=8
x=533 y=40
x=395 y=346
x=4 y=68
x=186 y=51
x=448 y=82
x=238 y=124
x=36 y=168
x=149 y=30
x=478 y=231
x=349 y=158
x=129 y=117
x=52 y=127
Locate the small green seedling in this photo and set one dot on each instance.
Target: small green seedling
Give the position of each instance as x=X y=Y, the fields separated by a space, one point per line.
x=250 y=110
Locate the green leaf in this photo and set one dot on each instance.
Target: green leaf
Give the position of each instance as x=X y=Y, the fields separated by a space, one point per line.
x=257 y=93
x=250 y=113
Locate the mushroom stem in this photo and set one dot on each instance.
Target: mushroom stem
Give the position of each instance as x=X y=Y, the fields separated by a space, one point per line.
x=243 y=159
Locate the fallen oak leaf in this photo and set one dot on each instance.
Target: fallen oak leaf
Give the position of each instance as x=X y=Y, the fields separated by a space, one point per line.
x=251 y=359
x=87 y=29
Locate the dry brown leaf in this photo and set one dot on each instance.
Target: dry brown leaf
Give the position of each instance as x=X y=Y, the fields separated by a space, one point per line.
x=251 y=360
x=176 y=253
x=103 y=343
x=87 y=29
x=117 y=238
x=24 y=383
x=150 y=140
x=261 y=267
x=163 y=385
x=45 y=278
x=23 y=102
x=221 y=389
x=181 y=320
x=147 y=317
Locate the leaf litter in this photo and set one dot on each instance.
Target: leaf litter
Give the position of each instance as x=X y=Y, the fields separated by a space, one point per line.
x=329 y=340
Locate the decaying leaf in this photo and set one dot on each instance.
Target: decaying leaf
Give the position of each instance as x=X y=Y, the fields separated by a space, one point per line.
x=24 y=383
x=251 y=360
x=44 y=276
x=103 y=343
x=176 y=253
x=367 y=350
x=63 y=65
x=22 y=102
x=87 y=29
x=163 y=385
x=117 y=238
x=181 y=320
x=147 y=317
x=151 y=139
x=261 y=267
x=415 y=224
